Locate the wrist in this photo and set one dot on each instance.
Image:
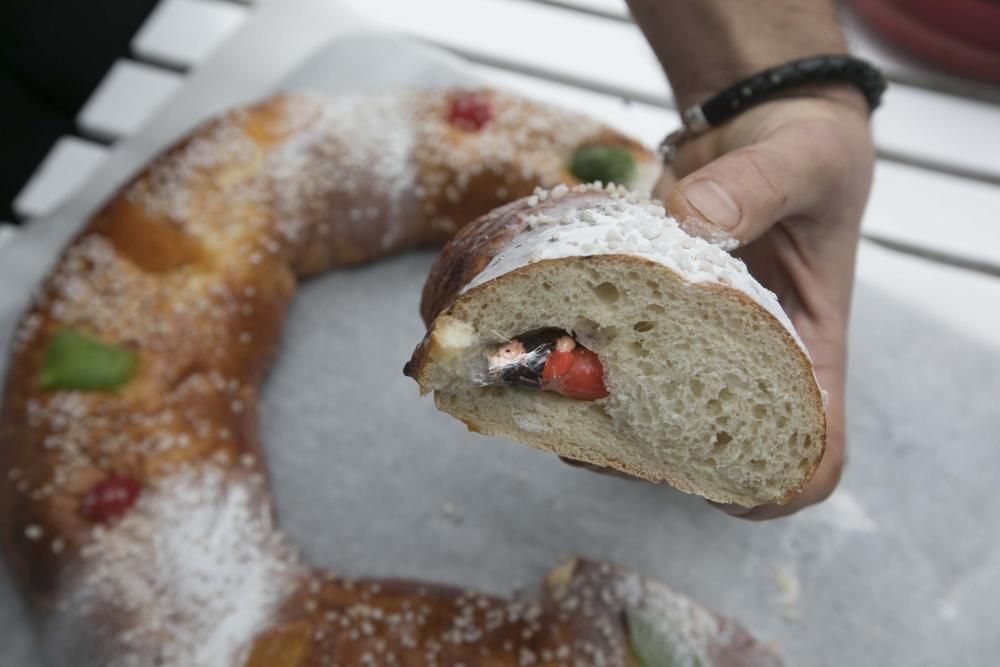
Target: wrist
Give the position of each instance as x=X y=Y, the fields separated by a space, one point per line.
x=696 y=90
x=708 y=45
x=842 y=94
x=820 y=81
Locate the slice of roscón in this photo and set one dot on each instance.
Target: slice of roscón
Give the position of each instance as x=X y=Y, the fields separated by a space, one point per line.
x=709 y=388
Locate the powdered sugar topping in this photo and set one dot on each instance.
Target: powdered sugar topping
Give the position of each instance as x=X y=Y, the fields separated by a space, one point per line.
x=624 y=223
x=191 y=574
x=668 y=629
x=357 y=150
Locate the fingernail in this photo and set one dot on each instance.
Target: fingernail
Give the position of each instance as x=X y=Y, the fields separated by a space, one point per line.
x=713 y=202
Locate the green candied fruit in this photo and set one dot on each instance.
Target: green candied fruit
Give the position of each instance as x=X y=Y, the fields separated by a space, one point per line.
x=656 y=643
x=607 y=164
x=74 y=360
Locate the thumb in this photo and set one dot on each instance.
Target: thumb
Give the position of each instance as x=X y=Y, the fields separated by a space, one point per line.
x=741 y=194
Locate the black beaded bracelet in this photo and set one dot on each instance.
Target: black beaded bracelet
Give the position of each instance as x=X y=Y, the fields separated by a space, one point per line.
x=760 y=87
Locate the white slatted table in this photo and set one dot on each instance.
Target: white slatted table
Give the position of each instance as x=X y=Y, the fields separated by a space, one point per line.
x=952 y=166
x=64 y=169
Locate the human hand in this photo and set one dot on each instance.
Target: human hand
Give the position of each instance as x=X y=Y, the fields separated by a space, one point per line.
x=788 y=181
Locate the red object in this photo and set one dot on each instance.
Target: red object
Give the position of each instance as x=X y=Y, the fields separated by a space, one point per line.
x=977 y=21
x=470 y=111
x=576 y=374
x=109 y=499
x=959 y=36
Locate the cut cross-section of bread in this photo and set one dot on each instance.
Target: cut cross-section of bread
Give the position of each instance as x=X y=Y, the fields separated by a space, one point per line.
x=708 y=387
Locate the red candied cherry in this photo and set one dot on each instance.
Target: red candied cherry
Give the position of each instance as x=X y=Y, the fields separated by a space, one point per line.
x=470 y=111
x=109 y=499
x=574 y=371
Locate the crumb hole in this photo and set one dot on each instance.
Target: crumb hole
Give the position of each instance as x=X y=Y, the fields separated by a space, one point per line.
x=757 y=465
x=721 y=440
x=584 y=326
x=606 y=292
x=697 y=386
x=656 y=308
x=759 y=411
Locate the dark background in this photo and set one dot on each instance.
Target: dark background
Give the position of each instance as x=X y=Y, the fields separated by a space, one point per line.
x=53 y=53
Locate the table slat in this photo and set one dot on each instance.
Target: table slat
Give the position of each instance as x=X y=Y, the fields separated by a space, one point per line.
x=861 y=39
x=7 y=234
x=911 y=206
x=129 y=93
x=939 y=129
x=965 y=301
x=182 y=33
x=64 y=169
x=938 y=212
x=944 y=131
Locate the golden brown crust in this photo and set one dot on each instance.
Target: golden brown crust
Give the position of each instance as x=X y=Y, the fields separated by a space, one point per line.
x=114 y=257
x=192 y=265
x=579 y=619
x=411 y=623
